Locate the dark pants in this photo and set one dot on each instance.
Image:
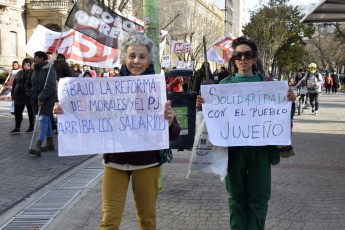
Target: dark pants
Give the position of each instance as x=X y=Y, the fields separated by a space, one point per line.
x=314 y=100
x=335 y=87
x=328 y=88
x=248 y=183
x=18 y=114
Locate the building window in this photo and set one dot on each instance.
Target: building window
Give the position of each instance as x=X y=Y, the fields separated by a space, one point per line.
x=13 y=43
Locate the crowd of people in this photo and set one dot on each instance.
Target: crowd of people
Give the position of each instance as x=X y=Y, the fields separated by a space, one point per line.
x=248 y=179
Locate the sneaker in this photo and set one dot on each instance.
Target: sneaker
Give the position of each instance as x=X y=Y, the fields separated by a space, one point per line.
x=316 y=112
x=15 y=131
x=29 y=130
x=312 y=110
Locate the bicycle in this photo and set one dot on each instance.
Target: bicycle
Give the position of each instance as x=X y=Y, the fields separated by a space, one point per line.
x=302 y=100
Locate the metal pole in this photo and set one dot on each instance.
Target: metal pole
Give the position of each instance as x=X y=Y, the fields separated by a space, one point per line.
x=151 y=20
x=206 y=63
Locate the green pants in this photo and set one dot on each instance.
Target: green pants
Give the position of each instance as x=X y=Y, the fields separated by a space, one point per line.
x=249 y=186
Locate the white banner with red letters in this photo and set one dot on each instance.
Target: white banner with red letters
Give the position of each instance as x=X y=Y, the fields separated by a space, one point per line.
x=225 y=42
x=76 y=47
x=181 y=47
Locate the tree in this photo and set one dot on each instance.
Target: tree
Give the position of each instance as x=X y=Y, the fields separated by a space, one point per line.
x=273 y=26
x=327 y=46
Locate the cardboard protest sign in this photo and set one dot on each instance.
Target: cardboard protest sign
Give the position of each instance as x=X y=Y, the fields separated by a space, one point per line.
x=166 y=61
x=247 y=114
x=109 y=115
x=180 y=65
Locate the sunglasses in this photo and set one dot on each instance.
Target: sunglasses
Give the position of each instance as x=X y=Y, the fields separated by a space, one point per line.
x=312 y=68
x=247 y=55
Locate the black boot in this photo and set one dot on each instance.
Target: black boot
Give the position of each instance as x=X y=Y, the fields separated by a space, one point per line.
x=37 y=149
x=49 y=146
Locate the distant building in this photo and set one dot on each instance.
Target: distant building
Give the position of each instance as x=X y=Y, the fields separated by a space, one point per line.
x=239 y=16
x=234 y=15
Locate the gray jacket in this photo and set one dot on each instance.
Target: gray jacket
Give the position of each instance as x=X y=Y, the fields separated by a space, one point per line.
x=309 y=79
x=35 y=89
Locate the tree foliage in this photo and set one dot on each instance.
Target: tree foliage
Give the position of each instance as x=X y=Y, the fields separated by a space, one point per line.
x=276 y=29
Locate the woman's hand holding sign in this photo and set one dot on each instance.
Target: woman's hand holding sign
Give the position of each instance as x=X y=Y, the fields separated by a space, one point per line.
x=169 y=112
x=57 y=108
x=291 y=96
x=199 y=101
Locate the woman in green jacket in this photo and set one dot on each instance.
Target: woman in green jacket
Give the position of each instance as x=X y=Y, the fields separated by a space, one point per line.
x=248 y=179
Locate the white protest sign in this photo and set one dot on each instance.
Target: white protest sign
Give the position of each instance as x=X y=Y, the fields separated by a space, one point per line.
x=166 y=61
x=109 y=115
x=180 y=65
x=247 y=114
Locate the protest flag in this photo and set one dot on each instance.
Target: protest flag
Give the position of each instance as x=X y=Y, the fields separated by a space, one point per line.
x=225 y=42
x=212 y=55
x=96 y=20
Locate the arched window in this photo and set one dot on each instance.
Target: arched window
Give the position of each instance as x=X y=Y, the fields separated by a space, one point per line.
x=53 y=27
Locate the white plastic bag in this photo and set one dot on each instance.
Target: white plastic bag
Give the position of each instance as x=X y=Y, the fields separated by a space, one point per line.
x=12 y=108
x=207 y=160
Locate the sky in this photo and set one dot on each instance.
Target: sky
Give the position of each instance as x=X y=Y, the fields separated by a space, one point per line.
x=251 y=4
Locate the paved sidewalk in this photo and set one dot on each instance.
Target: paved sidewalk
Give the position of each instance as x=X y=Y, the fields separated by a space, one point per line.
x=21 y=173
x=307 y=189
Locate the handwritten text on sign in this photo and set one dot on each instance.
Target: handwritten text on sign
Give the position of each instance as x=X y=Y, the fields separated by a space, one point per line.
x=247 y=114
x=108 y=115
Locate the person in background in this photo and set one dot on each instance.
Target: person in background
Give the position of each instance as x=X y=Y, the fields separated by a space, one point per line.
x=200 y=77
x=314 y=81
x=84 y=68
x=41 y=89
x=223 y=73
x=20 y=99
x=87 y=73
x=92 y=71
x=50 y=55
x=216 y=76
x=116 y=71
x=335 y=82
x=142 y=168
x=248 y=179
x=13 y=72
x=76 y=71
x=106 y=73
x=174 y=83
x=328 y=83
x=298 y=77
x=61 y=67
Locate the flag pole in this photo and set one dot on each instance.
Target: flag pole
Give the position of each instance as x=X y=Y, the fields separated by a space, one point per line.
x=45 y=84
x=206 y=63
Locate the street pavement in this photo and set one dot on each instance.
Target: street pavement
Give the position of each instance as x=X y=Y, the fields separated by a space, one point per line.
x=308 y=189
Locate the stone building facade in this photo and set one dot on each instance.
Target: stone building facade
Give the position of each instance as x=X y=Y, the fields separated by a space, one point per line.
x=19 y=18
